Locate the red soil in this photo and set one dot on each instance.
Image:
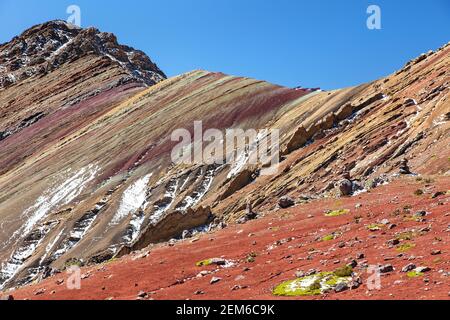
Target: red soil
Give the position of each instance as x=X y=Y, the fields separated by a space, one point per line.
x=170 y=272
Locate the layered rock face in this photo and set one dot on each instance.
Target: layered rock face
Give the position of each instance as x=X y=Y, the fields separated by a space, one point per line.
x=85 y=140
x=48 y=46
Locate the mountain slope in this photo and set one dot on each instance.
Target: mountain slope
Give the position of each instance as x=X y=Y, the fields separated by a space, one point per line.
x=285 y=244
x=86 y=172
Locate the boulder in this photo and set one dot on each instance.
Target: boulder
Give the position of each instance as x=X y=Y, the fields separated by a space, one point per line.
x=298 y=140
x=404 y=169
x=345 y=187
x=241 y=180
x=286 y=202
x=344 y=112
x=327 y=122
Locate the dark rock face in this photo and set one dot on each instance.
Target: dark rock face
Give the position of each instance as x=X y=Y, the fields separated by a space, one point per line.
x=45 y=47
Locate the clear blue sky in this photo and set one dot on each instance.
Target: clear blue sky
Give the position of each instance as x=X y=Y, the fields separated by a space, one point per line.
x=320 y=43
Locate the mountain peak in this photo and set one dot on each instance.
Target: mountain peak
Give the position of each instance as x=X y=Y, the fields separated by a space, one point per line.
x=46 y=46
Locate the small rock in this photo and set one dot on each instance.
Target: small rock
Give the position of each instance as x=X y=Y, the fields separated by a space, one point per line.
x=342 y=286
x=215 y=280
x=360 y=256
x=386 y=268
x=425 y=229
x=299 y=274
x=202 y=274
x=392 y=226
x=422 y=269
x=186 y=234
x=310 y=272
x=436 y=252
x=420 y=214
x=238 y=287
x=385 y=222
x=142 y=294
x=353 y=264
x=355 y=283
x=199 y=292
x=409 y=267
x=7 y=298
x=286 y=202
x=437 y=194
x=404 y=168
x=393 y=242
x=39 y=292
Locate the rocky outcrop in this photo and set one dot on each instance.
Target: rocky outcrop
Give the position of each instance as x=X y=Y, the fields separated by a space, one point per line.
x=238 y=182
x=173 y=224
x=46 y=47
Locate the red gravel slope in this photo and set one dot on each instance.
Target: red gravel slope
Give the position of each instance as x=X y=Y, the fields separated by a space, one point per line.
x=285 y=241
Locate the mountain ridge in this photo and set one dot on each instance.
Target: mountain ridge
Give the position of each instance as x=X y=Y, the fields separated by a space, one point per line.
x=86 y=173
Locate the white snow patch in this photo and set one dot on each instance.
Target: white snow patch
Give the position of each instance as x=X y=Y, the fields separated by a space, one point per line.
x=50 y=246
x=160 y=210
x=244 y=156
x=58 y=196
x=198 y=195
x=133 y=198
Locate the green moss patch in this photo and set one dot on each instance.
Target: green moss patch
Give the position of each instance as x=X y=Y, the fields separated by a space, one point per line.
x=405 y=247
x=374 y=227
x=329 y=237
x=315 y=284
x=414 y=274
x=345 y=271
x=407 y=235
x=215 y=261
x=204 y=263
x=336 y=213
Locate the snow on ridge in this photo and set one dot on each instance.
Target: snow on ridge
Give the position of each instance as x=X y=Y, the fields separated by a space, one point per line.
x=50 y=246
x=160 y=210
x=61 y=48
x=133 y=198
x=244 y=156
x=54 y=197
x=59 y=195
x=192 y=200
